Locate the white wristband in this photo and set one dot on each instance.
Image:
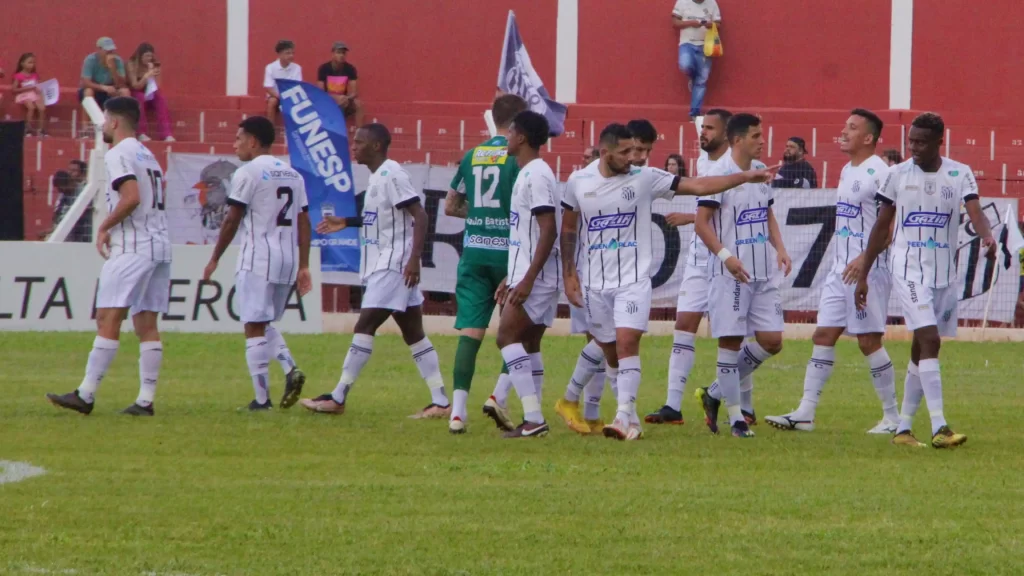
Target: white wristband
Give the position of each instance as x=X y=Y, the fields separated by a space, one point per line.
x=724 y=254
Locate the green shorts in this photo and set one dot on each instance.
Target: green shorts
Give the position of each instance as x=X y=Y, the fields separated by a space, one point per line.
x=474 y=293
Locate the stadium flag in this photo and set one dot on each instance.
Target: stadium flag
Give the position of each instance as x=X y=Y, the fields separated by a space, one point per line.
x=517 y=76
x=318 y=149
x=1011 y=239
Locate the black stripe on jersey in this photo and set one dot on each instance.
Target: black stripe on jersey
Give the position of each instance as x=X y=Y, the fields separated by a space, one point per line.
x=950 y=268
x=764 y=230
x=116 y=184
x=618 y=252
x=407 y=202
x=906 y=256
x=636 y=249
x=392 y=252
x=234 y=202
x=920 y=256
x=884 y=199
x=266 y=240
x=280 y=240
x=252 y=244
x=600 y=239
x=529 y=234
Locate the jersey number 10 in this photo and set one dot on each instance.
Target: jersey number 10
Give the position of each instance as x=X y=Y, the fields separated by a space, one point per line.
x=156 y=179
x=490 y=173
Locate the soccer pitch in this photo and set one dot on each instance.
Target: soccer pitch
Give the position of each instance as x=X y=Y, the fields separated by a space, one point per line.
x=204 y=489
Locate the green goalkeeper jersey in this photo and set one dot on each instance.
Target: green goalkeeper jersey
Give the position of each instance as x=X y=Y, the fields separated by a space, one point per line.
x=486 y=175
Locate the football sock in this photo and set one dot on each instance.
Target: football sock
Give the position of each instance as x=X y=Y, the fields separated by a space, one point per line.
x=629 y=382
x=151 y=354
x=819 y=370
x=729 y=382
x=502 y=387
x=592 y=394
x=537 y=365
x=465 y=362
x=279 y=349
x=912 y=393
x=459 y=404
x=883 y=376
x=257 y=356
x=358 y=355
x=931 y=383
x=426 y=360
x=103 y=352
x=588 y=362
x=521 y=372
x=679 y=365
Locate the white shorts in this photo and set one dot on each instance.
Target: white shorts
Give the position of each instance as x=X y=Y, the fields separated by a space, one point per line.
x=134 y=282
x=923 y=306
x=838 y=310
x=386 y=289
x=742 y=309
x=259 y=300
x=624 y=307
x=693 y=292
x=541 y=305
x=578 y=320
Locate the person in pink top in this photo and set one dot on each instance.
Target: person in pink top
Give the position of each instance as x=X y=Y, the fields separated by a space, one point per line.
x=27 y=93
x=143 y=72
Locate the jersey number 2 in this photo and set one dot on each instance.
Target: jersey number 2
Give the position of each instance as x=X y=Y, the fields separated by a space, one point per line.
x=491 y=173
x=282 y=216
x=156 y=179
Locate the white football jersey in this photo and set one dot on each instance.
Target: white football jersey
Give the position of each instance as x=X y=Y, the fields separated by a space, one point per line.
x=535 y=192
x=857 y=210
x=387 y=226
x=927 y=219
x=580 y=257
x=616 y=216
x=741 y=222
x=273 y=195
x=144 y=231
x=698 y=253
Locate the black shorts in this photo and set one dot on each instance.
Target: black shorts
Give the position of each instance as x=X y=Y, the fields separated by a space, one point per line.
x=99 y=96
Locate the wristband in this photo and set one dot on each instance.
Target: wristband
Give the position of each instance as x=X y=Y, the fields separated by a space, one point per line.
x=724 y=254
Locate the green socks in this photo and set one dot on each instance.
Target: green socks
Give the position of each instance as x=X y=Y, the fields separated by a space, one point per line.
x=465 y=362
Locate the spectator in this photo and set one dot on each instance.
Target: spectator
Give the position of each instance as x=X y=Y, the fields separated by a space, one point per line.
x=590 y=153
x=78 y=170
x=28 y=94
x=892 y=157
x=143 y=70
x=795 y=172
x=674 y=165
x=103 y=74
x=284 y=68
x=339 y=79
x=693 y=18
x=66 y=194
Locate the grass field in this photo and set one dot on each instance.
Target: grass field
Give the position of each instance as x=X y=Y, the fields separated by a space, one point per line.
x=204 y=489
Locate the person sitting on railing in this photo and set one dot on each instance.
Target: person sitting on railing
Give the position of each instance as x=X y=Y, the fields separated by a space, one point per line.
x=103 y=75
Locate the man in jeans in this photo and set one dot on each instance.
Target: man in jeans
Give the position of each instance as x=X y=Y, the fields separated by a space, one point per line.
x=693 y=18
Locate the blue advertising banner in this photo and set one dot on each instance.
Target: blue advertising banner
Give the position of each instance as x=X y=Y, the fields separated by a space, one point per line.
x=319 y=150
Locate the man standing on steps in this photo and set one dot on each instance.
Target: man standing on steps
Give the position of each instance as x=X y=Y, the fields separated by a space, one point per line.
x=856 y=211
x=481 y=193
x=692 y=303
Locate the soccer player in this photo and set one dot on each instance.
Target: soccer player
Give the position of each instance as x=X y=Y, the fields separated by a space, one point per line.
x=136 y=276
x=856 y=210
x=589 y=376
x=746 y=283
x=393 y=228
x=268 y=200
x=692 y=302
x=926 y=191
x=480 y=193
x=615 y=205
x=533 y=275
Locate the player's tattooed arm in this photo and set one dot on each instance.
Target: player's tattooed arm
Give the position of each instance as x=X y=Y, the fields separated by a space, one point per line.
x=228 y=229
x=455 y=205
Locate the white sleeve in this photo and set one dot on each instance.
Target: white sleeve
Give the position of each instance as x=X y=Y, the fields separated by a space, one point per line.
x=242 y=188
x=969 y=187
x=542 y=192
x=880 y=176
x=887 y=193
x=715 y=200
x=400 y=190
x=268 y=77
x=716 y=13
x=663 y=184
x=569 y=201
x=298 y=72
x=677 y=10
x=119 y=169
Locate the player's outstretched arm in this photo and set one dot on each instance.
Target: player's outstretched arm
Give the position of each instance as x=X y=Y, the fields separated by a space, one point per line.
x=228 y=229
x=775 y=237
x=304 y=281
x=419 y=236
x=980 y=222
x=455 y=205
x=711 y=185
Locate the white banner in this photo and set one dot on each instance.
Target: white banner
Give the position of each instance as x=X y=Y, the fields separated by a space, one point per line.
x=53 y=287
x=807 y=219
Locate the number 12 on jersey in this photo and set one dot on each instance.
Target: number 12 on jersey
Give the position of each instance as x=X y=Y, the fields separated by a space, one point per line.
x=491 y=174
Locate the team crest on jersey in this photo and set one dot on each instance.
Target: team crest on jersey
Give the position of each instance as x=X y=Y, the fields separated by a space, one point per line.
x=489 y=155
x=514 y=218
x=611 y=221
x=844 y=210
x=369 y=218
x=929 y=187
x=752 y=216
x=947 y=192
x=930 y=244
x=759 y=239
x=856 y=186
x=628 y=193
x=926 y=220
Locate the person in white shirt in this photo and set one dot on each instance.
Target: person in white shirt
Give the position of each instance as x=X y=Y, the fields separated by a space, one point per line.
x=692 y=302
x=737 y=226
x=136 y=277
x=534 y=279
x=393 y=229
x=693 y=19
x=283 y=68
x=589 y=377
x=614 y=204
x=923 y=196
x=856 y=211
x=268 y=200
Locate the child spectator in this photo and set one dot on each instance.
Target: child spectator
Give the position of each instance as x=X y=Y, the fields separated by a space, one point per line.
x=283 y=68
x=28 y=94
x=143 y=70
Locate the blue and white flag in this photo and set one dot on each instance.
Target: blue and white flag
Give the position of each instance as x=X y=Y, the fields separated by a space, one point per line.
x=517 y=76
x=318 y=149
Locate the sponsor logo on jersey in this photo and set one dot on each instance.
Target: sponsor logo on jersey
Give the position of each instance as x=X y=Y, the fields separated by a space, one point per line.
x=370 y=241
x=844 y=210
x=856 y=186
x=926 y=220
x=954 y=172
x=736 y=298
x=489 y=155
x=514 y=218
x=929 y=187
x=759 y=239
x=929 y=244
x=486 y=242
x=752 y=216
x=474 y=221
x=369 y=218
x=143 y=156
x=871 y=171
x=610 y=222
x=612 y=245
x=845 y=232
x=280 y=174
x=947 y=192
